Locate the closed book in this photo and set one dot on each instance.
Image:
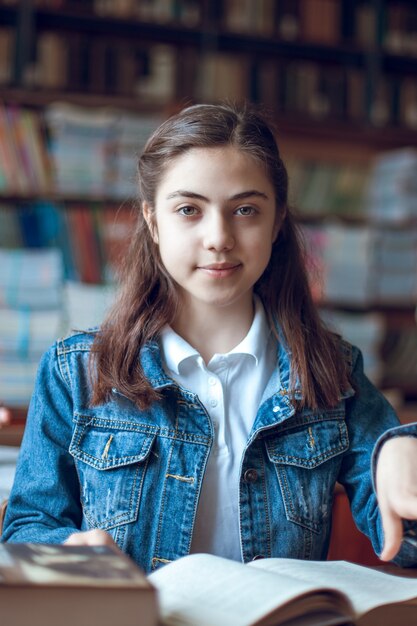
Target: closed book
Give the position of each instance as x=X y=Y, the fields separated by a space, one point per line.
x=47 y=585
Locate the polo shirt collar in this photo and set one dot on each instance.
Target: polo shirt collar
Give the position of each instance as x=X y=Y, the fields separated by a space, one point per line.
x=176 y=350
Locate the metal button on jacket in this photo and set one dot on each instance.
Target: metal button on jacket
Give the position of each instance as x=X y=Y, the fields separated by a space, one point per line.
x=250 y=476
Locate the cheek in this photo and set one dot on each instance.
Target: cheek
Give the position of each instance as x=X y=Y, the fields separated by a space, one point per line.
x=261 y=253
x=173 y=249
x=265 y=254
x=261 y=242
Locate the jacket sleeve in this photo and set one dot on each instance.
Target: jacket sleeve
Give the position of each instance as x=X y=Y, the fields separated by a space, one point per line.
x=44 y=504
x=371 y=421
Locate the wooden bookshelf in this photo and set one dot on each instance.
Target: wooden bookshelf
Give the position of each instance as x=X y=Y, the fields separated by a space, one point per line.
x=213 y=33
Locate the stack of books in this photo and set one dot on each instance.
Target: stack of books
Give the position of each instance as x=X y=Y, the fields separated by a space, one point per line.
x=79 y=140
x=318 y=188
x=129 y=137
x=86 y=305
x=94 y=152
x=365 y=330
x=31 y=316
x=392 y=190
x=362 y=265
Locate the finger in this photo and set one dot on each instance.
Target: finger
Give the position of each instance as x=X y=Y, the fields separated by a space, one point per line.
x=407 y=507
x=90 y=538
x=77 y=539
x=393 y=533
x=5 y=416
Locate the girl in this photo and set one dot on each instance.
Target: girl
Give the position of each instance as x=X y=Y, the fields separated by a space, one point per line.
x=212 y=411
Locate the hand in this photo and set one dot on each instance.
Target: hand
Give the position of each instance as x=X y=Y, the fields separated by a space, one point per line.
x=396 y=485
x=5 y=416
x=94 y=537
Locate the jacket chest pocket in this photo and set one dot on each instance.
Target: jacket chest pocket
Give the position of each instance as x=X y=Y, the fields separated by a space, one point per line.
x=307 y=459
x=111 y=464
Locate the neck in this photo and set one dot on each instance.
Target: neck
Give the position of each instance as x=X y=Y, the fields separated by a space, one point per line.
x=214 y=330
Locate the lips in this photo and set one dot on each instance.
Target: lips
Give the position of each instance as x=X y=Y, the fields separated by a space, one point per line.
x=219 y=266
x=219 y=270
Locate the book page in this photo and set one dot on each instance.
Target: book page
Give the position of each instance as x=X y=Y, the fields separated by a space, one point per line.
x=365 y=587
x=206 y=590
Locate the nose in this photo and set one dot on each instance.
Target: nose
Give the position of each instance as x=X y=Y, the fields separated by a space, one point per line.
x=218 y=233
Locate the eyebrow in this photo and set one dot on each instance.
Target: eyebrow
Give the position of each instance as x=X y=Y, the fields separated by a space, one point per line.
x=238 y=196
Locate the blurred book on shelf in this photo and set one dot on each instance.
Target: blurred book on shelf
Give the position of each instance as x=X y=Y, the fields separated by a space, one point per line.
x=58 y=270
x=76 y=62
x=92 y=239
x=78 y=147
x=320 y=188
x=27 y=333
x=24 y=161
x=130 y=134
x=31 y=316
x=84 y=244
x=320 y=21
x=17 y=378
x=155 y=81
x=395 y=266
x=71 y=150
x=383 y=191
x=346 y=275
x=95 y=151
x=184 y=12
x=362 y=265
x=115 y=228
x=254 y=17
x=365 y=330
x=399 y=351
x=222 y=76
x=392 y=188
x=86 y=305
x=400 y=32
x=7 y=46
x=31 y=278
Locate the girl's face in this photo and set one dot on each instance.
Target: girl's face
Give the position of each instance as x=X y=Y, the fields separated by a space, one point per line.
x=215 y=222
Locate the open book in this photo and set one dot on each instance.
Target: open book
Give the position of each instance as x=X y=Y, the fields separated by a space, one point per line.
x=206 y=590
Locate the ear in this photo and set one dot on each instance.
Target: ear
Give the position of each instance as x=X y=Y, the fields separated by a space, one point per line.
x=150 y=221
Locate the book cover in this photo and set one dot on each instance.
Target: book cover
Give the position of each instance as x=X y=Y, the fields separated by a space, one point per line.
x=46 y=585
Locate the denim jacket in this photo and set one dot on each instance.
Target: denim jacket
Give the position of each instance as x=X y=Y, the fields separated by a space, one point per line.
x=138 y=473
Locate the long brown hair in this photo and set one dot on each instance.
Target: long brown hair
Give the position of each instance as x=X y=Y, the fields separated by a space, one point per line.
x=147 y=297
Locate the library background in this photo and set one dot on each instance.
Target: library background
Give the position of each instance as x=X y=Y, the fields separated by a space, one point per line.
x=84 y=82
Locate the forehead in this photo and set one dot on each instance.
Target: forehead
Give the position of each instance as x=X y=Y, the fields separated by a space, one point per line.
x=227 y=161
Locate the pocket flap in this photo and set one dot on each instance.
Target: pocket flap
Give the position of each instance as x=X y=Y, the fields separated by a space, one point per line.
x=105 y=447
x=309 y=445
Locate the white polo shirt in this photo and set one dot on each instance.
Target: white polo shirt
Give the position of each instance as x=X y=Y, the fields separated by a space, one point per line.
x=230 y=387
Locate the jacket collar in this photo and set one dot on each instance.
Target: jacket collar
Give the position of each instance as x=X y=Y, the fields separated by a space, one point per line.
x=277 y=387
